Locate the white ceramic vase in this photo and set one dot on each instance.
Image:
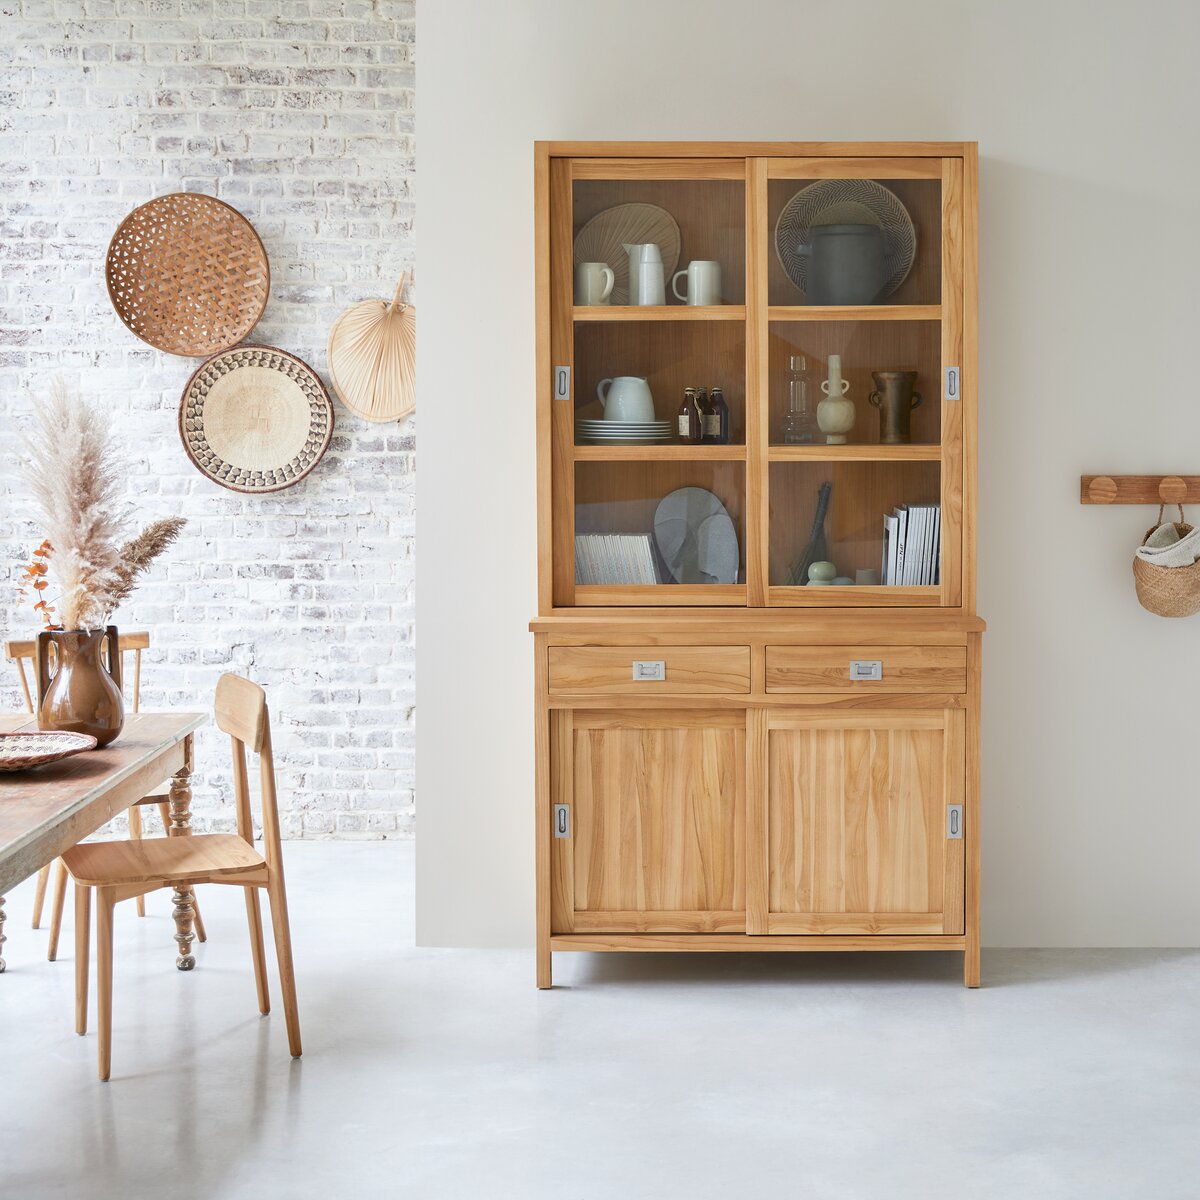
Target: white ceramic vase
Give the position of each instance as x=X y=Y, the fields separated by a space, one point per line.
x=835 y=413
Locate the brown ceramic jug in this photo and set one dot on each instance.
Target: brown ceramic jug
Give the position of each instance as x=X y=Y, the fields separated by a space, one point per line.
x=895 y=399
x=79 y=687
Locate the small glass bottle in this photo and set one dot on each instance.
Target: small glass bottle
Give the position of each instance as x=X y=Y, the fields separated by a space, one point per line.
x=716 y=419
x=799 y=425
x=690 y=421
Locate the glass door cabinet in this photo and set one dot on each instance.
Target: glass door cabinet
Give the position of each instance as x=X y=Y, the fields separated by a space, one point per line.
x=823 y=298
x=757 y=661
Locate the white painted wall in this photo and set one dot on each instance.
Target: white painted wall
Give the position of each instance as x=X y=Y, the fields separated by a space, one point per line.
x=1088 y=116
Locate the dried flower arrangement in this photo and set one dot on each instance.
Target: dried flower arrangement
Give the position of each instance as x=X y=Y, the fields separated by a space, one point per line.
x=74 y=471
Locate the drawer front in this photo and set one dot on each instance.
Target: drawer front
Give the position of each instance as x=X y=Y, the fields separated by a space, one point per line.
x=650 y=670
x=878 y=669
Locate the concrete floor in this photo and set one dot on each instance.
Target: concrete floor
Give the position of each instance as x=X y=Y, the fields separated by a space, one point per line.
x=432 y=1073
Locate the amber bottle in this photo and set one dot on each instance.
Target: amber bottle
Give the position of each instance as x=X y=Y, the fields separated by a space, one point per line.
x=690 y=422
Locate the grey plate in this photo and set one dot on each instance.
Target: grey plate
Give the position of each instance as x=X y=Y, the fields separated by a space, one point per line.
x=696 y=537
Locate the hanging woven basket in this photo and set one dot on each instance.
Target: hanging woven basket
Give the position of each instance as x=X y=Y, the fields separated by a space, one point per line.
x=372 y=356
x=1167 y=591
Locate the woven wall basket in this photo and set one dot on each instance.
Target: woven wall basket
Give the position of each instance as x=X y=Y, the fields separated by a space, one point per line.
x=372 y=356
x=187 y=274
x=255 y=419
x=1167 y=591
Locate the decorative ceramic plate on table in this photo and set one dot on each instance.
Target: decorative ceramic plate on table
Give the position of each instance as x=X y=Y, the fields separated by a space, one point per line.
x=846 y=202
x=20 y=751
x=255 y=419
x=604 y=237
x=696 y=537
x=187 y=274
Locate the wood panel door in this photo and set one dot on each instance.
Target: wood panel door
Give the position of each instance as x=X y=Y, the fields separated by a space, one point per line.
x=654 y=836
x=854 y=824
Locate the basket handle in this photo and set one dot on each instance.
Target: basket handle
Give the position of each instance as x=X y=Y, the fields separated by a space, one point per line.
x=1162 y=507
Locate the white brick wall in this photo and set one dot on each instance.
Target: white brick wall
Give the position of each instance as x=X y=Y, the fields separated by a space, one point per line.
x=300 y=114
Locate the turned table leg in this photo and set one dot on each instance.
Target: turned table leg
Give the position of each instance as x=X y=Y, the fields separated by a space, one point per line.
x=3 y=939
x=180 y=804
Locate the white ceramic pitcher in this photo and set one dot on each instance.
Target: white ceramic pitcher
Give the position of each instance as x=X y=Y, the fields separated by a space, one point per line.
x=626 y=398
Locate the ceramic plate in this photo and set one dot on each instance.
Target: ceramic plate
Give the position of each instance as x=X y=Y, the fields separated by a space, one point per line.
x=603 y=239
x=20 y=751
x=842 y=202
x=696 y=537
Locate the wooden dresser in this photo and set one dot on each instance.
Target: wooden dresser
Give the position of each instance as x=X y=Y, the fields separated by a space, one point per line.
x=730 y=756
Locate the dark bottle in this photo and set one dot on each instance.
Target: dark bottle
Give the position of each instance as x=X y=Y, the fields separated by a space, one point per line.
x=716 y=419
x=691 y=426
x=702 y=405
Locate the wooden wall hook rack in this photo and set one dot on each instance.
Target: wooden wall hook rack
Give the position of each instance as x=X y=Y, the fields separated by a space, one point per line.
x=1139 y=489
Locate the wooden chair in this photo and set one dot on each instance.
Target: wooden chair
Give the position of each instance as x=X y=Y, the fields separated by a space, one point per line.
x=21 y=652
x=121 y=870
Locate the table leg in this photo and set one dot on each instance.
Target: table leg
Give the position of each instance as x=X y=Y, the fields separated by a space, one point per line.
x=180 y=803
x=3 y=939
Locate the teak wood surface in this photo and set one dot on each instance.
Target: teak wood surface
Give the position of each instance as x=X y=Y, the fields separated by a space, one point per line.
x=49 y=809
x=758 y=797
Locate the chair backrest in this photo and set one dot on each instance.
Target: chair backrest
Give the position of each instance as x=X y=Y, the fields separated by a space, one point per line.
x=241 y=712
x=22 y=652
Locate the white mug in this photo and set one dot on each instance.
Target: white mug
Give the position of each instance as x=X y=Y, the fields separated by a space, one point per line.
x=626 y=398
x=703 y=282
x=593 y=283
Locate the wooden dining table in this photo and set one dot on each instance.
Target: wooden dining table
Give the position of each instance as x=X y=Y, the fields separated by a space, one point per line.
x=48 y=809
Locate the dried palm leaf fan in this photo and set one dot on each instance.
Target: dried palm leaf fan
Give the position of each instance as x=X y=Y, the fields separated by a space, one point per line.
x=373 y=358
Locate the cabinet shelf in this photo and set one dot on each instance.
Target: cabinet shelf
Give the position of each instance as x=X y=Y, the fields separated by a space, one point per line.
x=853 y=312
x=660 y=312
x=864 y=453
x=666 y=453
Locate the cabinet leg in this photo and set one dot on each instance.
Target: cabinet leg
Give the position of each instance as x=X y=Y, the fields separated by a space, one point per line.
x=971 y=963
x=544 y=979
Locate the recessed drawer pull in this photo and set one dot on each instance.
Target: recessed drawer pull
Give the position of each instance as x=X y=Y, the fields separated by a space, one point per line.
x=866 y=668
x=646 y=669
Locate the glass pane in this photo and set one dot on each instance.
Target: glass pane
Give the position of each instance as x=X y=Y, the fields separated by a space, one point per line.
x=668 y=356
x=854 y=241
x=858 y=498
x=686 y=220
x=677 y=522
x=900 y=361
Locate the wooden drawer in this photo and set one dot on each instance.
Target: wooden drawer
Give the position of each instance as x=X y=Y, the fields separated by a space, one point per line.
x=665 y=670
x=899 y=669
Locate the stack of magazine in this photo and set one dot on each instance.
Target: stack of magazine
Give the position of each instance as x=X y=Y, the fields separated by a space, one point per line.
x=912 y=539
x=614 y=558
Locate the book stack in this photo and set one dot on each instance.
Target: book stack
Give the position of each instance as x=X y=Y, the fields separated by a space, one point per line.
x=912 y=541
x=614 y=558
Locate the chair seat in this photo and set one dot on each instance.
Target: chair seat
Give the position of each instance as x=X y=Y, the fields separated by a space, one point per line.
x=161 y=860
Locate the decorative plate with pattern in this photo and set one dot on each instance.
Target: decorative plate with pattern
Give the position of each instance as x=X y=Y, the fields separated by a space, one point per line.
x=187 y=274
x=846 y=202
x=255 y=419
x=20 y=751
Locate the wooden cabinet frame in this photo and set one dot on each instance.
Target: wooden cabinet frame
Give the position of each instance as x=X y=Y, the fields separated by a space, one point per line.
x=933 y=630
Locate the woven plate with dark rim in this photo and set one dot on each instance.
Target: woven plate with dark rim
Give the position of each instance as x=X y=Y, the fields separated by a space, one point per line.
x=20 y=751
x=255 y=419
x=187 y=274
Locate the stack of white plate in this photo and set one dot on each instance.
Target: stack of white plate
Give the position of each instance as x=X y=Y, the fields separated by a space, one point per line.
x=619 y=433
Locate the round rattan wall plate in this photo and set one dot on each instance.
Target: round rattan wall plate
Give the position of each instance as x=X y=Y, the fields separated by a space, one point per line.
x=187 y=274
x=255 y=419
x=372 y=356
